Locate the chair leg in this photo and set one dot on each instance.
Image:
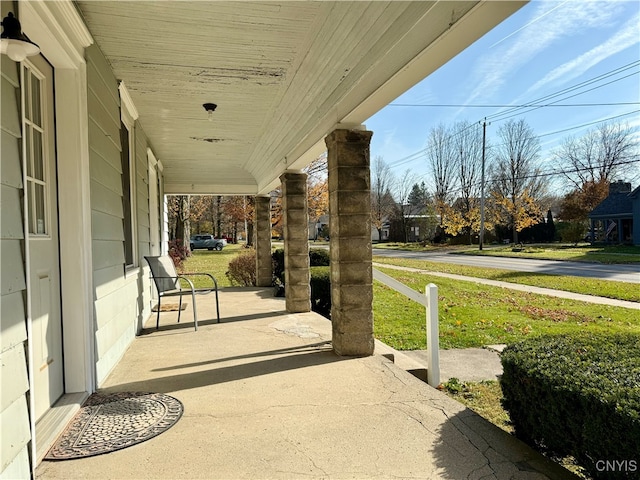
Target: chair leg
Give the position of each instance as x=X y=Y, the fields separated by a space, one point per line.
x=179 y=308
x=217 y=306
x=158 y=316
x=195 y=315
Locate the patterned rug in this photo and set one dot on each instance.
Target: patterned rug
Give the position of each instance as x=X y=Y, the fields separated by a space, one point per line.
x=112 y=421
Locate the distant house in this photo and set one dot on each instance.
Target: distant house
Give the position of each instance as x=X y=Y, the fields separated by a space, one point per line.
x=617 y=218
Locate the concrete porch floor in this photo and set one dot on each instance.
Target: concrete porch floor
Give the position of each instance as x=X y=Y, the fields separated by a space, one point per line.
x=265 y=397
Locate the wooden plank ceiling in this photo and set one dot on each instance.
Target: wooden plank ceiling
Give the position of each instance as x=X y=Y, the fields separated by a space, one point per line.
x=283 y=75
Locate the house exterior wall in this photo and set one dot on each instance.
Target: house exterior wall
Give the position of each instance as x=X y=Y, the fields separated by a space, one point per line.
x=90 y=149
x=15 y=434
x=120 y=301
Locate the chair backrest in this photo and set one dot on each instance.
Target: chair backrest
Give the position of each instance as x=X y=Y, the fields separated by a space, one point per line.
x=164 y=272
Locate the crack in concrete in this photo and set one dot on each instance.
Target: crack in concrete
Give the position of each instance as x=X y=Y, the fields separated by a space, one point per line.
x=297 y=448
x=416 y=417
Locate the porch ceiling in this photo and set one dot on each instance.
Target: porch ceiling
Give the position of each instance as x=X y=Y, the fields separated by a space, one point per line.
x=283 y=74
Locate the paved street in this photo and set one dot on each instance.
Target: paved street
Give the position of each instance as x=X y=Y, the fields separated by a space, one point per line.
x=621 y=273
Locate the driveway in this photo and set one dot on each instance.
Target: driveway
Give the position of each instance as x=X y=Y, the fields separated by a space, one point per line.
x=621 y=273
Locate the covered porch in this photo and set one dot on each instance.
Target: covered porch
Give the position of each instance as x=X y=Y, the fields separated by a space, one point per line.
x=265 y=397
x=133 y=118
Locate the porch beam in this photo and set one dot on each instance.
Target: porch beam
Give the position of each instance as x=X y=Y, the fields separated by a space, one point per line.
x=350 y=244
x=262 y=240
x=296 y=242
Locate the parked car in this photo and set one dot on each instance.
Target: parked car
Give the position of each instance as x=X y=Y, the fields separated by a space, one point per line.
x=206 y=241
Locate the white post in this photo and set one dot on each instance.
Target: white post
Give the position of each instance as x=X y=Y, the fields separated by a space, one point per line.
x=433 y=342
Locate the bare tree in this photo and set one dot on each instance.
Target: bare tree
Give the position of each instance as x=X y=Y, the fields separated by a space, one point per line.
x=602 y=155
x=318 y=168
x=515 y=173
x=382 y=203
x=467 y=144
x=403 y=188
x=442 y=160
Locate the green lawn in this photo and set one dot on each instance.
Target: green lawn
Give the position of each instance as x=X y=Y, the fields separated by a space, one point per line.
x=580 y=253
x=213 y=262
x=552 y=251
x=473 y=315
x=418 y=247
x=586 y=286
x=482 y=397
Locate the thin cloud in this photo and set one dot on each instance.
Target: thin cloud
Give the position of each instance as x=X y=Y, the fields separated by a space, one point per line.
x=626 y=37
x=519 y=48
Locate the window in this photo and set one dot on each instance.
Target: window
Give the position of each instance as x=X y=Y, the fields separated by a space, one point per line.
x=127 y=208
x=34 y=151
x=128 y=115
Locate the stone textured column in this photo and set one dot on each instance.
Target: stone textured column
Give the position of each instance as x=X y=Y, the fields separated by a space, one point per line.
x=350 y=231
x=296 y=242
x=262 y=240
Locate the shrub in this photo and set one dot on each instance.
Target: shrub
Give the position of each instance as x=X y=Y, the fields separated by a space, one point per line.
x=578 y=395
x=321 y=291
x=242 y=269
x=277 y=258
x=571 y=232
x=318 y=257
x=178 y=253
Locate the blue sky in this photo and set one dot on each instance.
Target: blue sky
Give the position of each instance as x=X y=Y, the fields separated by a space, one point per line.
x=544 y=48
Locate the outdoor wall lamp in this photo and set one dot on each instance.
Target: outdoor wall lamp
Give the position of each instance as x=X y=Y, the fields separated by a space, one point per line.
x=15 y=44
x=210 y=108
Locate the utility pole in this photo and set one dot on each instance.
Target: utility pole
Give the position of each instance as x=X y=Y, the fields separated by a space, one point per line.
x=484 y=144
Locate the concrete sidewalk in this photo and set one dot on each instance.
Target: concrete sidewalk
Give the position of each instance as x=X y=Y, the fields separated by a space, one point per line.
x=265 y=397
x=466 y=364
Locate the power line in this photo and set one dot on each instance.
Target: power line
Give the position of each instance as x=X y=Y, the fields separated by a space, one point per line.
x=533 y=105
x=578 y=85
x=500 y=117
x=587 y=124
x=543 y=173
x=417 y=155
x=529 y=105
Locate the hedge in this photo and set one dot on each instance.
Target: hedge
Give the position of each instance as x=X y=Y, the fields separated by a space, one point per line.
x=318 y=257
x=321 y=290
x=578 y=395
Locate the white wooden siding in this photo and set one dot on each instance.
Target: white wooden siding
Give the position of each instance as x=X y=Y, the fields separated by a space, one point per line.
x=122 y=301
x=117 y=308
x=15 y=434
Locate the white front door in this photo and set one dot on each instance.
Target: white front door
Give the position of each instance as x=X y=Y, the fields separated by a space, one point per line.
x=42 y=240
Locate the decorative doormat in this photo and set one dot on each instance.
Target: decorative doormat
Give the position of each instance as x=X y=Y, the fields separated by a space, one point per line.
x=113 y=421
x=169 y=307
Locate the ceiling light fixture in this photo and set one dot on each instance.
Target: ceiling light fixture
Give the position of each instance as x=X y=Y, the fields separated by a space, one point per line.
x=210 y=108
x=15 y=44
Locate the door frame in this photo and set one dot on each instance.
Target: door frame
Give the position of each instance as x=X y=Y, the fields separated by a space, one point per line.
x=52 y=233
x=62 y=36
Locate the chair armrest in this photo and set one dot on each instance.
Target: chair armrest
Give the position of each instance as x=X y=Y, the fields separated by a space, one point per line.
x=177 y=278
x=188 y=281
x=215 y=283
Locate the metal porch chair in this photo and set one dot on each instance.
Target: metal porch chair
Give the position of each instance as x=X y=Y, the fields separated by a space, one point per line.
x=168 y=284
